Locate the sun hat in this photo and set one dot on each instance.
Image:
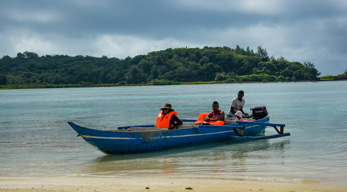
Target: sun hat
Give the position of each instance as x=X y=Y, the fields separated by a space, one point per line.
x=166 y=106
x=239 y=114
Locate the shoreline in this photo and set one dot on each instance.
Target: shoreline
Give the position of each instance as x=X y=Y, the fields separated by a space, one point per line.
x=52 y=86
x=105 y=184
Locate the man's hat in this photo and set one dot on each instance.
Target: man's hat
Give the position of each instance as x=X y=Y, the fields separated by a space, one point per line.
x=166 y=106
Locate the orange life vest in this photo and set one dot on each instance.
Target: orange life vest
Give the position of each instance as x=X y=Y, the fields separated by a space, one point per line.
x=203 y=115
x=163 y=121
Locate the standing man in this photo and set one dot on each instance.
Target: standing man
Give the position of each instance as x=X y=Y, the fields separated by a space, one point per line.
x=237 y=104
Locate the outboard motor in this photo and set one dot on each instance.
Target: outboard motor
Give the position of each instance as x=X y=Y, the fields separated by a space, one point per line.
x=259 y=112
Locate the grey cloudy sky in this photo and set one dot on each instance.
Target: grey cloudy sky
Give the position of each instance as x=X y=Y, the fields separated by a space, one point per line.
x=299 y=30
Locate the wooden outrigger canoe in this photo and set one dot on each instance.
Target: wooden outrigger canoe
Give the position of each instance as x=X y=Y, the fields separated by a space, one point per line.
x=146 y=138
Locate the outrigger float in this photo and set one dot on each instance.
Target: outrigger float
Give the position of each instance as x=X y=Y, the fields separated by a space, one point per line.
x=146 y=138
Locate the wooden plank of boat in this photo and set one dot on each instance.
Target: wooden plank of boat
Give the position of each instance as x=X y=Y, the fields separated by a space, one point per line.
x=127 y=127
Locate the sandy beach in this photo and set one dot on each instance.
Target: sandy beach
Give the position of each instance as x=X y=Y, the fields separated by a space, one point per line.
x=155 y=185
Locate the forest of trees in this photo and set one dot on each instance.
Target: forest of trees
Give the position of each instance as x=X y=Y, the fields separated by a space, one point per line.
x=208 y=64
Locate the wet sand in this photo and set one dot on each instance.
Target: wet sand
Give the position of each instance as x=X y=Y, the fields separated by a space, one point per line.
x=153 y=185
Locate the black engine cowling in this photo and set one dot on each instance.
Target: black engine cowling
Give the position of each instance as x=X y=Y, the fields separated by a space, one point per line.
x=259 y=112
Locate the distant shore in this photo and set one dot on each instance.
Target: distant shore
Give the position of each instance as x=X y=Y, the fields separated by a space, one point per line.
x=42 y=86
x=15 y=184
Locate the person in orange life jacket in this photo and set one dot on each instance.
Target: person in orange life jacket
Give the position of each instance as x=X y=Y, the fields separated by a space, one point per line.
x=216 y=114
x=237 y=104
x=167 y=118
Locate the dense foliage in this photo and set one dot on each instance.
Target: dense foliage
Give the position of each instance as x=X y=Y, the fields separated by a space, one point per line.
x=219 y=64
x=342 y=76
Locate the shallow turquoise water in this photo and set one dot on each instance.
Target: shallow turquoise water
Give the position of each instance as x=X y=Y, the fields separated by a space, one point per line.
x=35 y=139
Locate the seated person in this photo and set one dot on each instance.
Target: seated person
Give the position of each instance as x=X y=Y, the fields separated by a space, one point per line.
x=239 y=115
x=237 y=104
x=216 y=114
x=167 y=118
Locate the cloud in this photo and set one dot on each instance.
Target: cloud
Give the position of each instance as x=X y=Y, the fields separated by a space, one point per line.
x=32 y=17
x=111 y=45
x=123 y=46
x=298 y=30
x=20 y=40
x=264 y=7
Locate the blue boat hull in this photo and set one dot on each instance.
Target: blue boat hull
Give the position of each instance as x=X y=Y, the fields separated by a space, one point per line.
x=120 y=142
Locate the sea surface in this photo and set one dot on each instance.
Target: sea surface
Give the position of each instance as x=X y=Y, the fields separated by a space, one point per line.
x=36 y=141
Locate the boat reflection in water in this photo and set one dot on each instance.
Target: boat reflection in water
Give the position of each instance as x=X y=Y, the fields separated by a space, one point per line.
x=235 y=161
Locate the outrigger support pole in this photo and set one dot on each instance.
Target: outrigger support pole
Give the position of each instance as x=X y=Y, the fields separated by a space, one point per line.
x=281 y=131
x=239 y=131
x=274 y=125
x=240 y=136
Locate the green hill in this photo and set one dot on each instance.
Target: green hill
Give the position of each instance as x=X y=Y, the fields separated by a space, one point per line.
x=180 y=65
